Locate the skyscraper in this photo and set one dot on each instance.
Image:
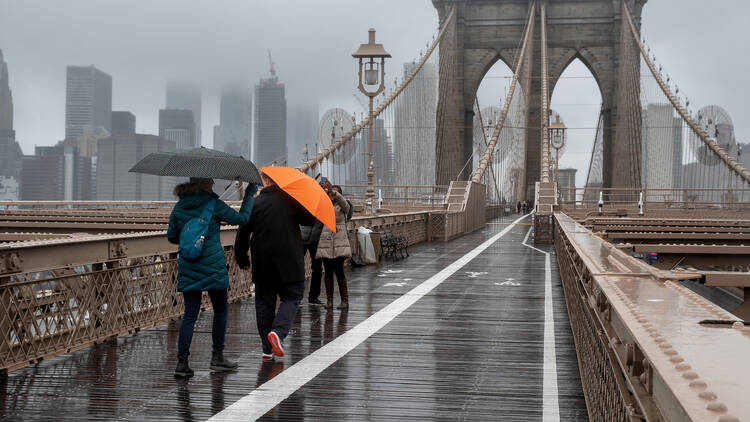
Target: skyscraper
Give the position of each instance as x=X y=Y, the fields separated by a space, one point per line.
x=269 y=145
x=233 y=133
x=88 y=100
x=382 y=153
x=178 y=126
x=185 y=96
x=414 y=132
x=117 y=154
x=56 y=173
x=567 y=184
x=662 y=147
x=10 y=152
x=123 y=123
x=6 y=98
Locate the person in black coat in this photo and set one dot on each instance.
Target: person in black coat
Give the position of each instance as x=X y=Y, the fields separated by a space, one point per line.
x=278 y=262
x=310 y=238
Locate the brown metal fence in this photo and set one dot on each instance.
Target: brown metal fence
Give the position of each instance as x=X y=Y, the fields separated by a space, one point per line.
x=603 y=385
x=46 y=312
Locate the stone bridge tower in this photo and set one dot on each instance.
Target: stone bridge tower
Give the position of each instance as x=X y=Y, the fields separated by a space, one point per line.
x=490 y=30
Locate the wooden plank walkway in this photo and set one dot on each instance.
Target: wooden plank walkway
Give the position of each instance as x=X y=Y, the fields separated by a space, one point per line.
x=470 y=349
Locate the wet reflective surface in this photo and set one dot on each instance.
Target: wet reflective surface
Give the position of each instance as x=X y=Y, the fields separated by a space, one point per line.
x=664 y=318
x=471 y=349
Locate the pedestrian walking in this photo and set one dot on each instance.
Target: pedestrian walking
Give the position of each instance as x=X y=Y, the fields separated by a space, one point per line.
x=334 y=248
x=518 y=207
x=310 y=238
x=278 y=262
x=207 y=270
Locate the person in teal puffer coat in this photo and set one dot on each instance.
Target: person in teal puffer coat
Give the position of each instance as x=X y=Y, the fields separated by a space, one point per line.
x=209 y=272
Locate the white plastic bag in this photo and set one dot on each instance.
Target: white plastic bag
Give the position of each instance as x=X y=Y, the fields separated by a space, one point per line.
x=366 y=249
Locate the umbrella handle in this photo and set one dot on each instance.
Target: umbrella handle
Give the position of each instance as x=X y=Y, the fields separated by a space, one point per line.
x=237 y=184
x=240 y=190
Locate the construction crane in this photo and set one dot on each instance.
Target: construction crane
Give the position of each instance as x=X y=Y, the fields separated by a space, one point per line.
x=273 y=67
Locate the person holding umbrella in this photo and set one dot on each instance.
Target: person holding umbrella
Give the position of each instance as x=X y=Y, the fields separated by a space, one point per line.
x=288 y=199
x=194 y=226
x=207 y=272
x=334 y=248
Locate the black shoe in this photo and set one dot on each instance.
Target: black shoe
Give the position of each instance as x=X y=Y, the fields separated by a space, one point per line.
x=314 y=302
x=219 y=364
x=183 y=370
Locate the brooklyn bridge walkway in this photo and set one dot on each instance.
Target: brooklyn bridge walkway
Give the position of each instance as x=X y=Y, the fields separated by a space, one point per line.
x=472 y=329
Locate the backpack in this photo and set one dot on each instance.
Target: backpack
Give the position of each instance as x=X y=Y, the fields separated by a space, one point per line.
x=193 y=234
x=351 y=210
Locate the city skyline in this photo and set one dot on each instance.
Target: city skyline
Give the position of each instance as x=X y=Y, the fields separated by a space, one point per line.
x=210 y=55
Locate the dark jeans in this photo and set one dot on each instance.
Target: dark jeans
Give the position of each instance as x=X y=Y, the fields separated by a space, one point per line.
x=192 y=307
x=317 y=271
x=335 y=266
x=266 y=315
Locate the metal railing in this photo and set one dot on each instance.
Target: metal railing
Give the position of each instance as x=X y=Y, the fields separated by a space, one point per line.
x=84 y=204
x=61 y=294
x=630 y=323
x=401 y=196
x=685 y=198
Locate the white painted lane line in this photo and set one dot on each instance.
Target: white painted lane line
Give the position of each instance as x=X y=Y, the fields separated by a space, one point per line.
x=550 y=404
x=276 y=390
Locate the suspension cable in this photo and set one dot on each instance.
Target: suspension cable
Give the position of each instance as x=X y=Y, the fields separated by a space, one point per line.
x=311 y=163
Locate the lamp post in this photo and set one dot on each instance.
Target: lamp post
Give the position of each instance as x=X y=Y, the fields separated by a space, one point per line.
x=557 y=132
x=374 y=76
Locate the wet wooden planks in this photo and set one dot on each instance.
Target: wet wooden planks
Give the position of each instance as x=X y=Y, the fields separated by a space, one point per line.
x=469 y=350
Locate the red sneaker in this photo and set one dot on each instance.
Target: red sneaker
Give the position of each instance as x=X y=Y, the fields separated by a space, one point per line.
x=276 y=347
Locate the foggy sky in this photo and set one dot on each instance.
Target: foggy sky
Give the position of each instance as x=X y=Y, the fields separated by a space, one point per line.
x=702 y=45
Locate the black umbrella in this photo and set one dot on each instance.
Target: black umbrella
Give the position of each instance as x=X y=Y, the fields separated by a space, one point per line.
x=199 y=162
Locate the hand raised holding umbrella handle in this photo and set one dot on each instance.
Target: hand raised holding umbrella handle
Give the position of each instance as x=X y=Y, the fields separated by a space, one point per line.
x=251 y=189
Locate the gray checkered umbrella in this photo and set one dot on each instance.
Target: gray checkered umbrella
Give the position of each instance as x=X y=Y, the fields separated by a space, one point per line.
x=199 y=162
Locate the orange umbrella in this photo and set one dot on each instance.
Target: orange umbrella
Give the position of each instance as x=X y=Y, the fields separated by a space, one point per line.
x=306 y=191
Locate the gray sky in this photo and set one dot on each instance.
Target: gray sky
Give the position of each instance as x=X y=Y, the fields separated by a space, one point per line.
x=703 y=47
x=142 y=43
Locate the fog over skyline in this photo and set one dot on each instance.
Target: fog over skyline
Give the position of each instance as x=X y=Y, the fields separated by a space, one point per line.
x=143 y=44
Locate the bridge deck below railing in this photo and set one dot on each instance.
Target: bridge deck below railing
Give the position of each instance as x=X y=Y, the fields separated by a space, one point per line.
x=459 y=330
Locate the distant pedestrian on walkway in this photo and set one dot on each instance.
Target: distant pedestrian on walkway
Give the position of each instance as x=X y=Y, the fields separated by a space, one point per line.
x=518 y=207
x=334 y=248
x=278 y=262
x=310 y=238
x=208 y=271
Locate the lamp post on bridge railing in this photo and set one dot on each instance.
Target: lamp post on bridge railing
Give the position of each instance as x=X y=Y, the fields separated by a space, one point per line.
x=557 y=136
x=367 y=55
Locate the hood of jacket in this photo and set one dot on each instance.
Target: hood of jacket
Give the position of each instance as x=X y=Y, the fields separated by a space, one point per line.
x=193 y=200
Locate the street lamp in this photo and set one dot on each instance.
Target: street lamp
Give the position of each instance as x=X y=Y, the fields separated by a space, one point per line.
x=374 y=75
x=557 y=136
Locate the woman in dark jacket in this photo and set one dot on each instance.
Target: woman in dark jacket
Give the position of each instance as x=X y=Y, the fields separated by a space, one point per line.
x=208 y=272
